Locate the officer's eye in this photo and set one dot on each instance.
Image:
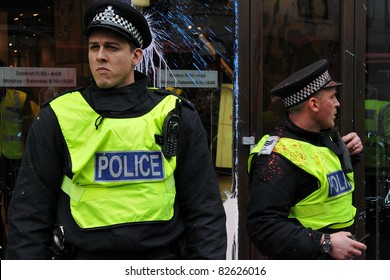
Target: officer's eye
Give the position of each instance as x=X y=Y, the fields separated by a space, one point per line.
x=93 y=47
x=112 y=47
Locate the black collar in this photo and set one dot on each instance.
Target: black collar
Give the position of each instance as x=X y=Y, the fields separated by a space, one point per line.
x=118 y=99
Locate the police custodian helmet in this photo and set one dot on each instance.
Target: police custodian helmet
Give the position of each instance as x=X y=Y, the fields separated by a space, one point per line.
x=304 y=83
x=120 y=17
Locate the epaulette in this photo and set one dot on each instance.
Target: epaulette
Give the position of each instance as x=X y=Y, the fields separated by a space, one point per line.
x=269 y=145
x=184 y=100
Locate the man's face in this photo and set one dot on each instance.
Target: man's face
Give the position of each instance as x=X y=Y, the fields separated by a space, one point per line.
x=328 y=108
x=110 y=59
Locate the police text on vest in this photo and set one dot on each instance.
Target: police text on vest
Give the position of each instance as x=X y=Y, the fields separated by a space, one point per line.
x=338 y=183
x=129 y=166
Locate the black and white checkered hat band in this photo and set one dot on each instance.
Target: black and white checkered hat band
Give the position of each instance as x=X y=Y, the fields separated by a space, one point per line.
x=110 y=18
x=308 y=90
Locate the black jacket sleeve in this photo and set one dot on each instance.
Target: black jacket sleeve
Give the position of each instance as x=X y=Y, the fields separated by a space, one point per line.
x=198 y=191
x=32 y=208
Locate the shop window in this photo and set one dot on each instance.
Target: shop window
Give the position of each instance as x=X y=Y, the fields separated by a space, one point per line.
x=377 y=129
x=296 y=34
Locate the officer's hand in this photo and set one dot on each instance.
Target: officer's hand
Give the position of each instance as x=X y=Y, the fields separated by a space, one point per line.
x=344 y=247
x=353 y=142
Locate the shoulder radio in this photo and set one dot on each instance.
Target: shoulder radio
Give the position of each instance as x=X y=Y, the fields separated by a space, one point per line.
x=171 y=129
x=345 y=157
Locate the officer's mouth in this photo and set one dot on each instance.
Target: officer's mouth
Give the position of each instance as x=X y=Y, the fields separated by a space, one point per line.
x=102 y=69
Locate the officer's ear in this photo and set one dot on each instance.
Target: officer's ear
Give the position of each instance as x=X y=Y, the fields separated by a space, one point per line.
x=314 y=103
x=138 y=53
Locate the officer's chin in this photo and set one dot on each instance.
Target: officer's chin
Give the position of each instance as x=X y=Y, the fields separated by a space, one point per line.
x=104 y=85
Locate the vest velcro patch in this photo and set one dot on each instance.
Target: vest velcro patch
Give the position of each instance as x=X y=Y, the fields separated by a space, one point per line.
x=269 y=145
x=338 y=183
x=129 y=166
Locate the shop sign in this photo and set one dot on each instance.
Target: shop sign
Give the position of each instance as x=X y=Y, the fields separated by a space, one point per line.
x=188 y=78
x=37 y=77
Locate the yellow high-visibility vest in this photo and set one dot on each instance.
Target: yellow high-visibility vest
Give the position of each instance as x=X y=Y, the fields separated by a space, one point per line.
x=331 y=205
x=11 y=124
x=120 y=173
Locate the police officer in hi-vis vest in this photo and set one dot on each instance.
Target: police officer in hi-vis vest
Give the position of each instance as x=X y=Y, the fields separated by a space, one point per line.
x=114 y=169
x=301 y=175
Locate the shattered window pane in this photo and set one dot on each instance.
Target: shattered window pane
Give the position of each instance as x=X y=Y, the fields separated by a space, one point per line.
x=194 y=58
